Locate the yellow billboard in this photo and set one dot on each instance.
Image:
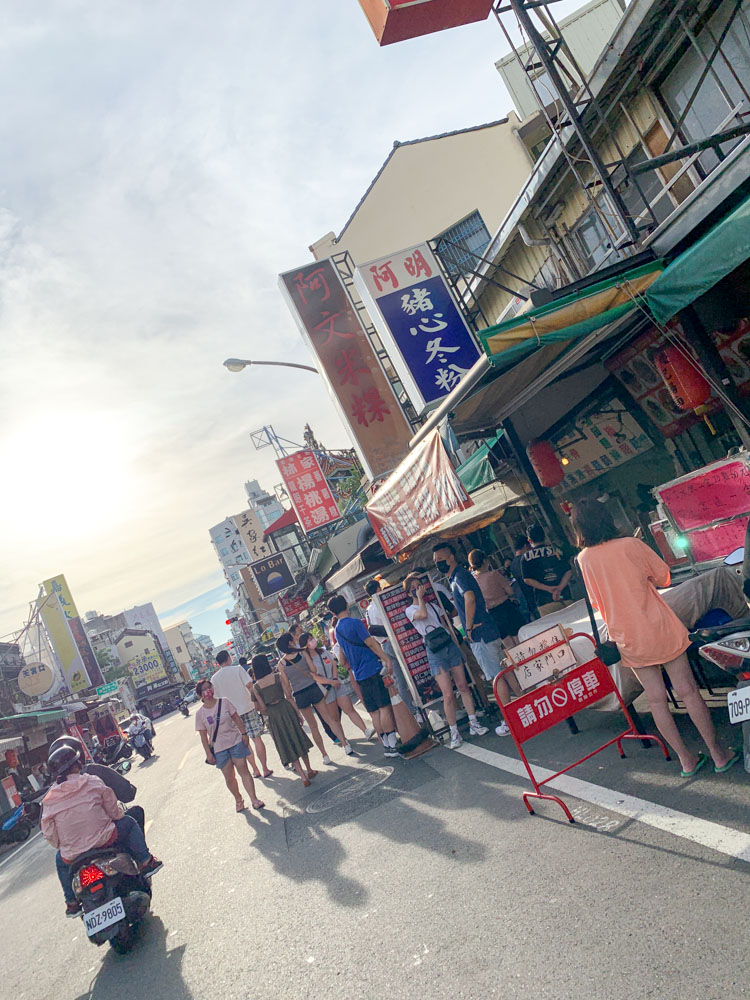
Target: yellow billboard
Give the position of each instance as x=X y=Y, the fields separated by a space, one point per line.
x=57 y=586
x=142 y=658
x=61 y=637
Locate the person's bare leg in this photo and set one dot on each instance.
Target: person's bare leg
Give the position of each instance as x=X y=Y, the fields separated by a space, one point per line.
x=247 y=781
x=459 y=676
x=231 y=779
x=298 y=768
x=306 y=761
x=504 y=690
x=260 y=750
x=653 y=685
x=687 y=691
x=309 y=716
x=330 y=714
x=345 y=703
x=384 y=721
x=445 y=683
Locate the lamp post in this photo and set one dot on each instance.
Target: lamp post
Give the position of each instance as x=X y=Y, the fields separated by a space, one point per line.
x=238 y=364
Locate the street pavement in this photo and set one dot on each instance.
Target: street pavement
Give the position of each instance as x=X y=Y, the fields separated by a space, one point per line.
x=412 y=879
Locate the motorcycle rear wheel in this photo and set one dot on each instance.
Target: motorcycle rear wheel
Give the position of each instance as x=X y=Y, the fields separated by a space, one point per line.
x=123 y=940
x=21 y=831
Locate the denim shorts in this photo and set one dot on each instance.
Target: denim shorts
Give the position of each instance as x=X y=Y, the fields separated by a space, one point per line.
x=238 y=752
x=444 y=659
x=489 y=656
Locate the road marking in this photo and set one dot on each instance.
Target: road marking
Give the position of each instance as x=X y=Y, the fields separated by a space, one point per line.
x=184 y=759
x=723 y=839
x=14 y=853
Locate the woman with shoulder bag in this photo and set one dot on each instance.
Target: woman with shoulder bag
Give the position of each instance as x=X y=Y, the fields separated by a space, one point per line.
x=296 y=671
x=621 y=576
x=282 y=716
x=225 y=741
x=499 y=597
x=339 y=690
x=443 y=656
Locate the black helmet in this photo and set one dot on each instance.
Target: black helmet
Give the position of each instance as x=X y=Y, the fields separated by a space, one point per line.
x=60 y=761
x=68 y=741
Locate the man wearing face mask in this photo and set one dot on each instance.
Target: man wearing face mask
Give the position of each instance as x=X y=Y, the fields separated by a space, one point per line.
x=481 y=632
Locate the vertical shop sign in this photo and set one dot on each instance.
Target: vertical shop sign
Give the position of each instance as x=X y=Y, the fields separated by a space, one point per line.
x=419 y=322
x=251 y=532
x=410 y=644
x=308 y=489
x=417 y=497
x=58 y=586
x=331 y=327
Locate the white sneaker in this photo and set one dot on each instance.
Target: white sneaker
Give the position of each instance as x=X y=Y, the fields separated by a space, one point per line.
x=327 y=759
x=455 y=742
x=369 y=733
x=348 y=749
x=502 y=730
x=476 y=730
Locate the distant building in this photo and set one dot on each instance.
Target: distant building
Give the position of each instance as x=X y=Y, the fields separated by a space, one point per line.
x=186 y=650
x=103 y=630
x=266 y=506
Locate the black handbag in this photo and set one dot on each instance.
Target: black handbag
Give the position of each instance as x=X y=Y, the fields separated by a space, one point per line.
x=607 y=651
x=437 y=639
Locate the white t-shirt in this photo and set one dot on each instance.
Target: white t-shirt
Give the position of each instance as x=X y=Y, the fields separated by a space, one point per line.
x=424 y=625
x=231 y=682
x=375 y=616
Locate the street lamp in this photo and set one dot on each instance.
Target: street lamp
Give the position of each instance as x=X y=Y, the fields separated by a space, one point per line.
x=238 y=364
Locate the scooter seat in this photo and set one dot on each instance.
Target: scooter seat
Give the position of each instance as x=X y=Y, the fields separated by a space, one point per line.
x=703 y=635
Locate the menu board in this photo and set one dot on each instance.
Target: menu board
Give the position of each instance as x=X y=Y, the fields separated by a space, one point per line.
x=711 y=494
x=409 y=642
x=717 y=541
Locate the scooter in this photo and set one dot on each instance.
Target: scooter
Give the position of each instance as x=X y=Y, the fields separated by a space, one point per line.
x=114 y=897
x=17 y=827
x=111 y=754
x=142 y=745
x=184 y=709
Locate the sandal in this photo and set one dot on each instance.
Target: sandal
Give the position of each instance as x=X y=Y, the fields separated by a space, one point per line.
x=306 y=782
x=736 y=754
x=702 y=759
x=312 y=774
x=240 y=806
x=268 y=774
x=259 y=805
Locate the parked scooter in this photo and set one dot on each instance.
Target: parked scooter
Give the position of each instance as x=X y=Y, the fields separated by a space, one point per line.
x=120 y=750
x=114 y=897
x=17 y=827
x=142 y=745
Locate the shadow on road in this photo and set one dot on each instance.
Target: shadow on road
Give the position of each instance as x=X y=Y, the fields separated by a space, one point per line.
x=151 y=964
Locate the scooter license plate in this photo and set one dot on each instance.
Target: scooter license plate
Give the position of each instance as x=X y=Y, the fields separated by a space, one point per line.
x=104 y=916
x=738 y=703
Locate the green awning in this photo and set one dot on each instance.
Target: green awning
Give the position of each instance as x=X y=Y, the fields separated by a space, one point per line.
x=570 y=317
x=50 y=715
x=698 y=269
x=316 y=595
x=477 y=471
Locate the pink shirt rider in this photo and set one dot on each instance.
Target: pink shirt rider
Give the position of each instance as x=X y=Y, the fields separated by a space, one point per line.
x=78 y=815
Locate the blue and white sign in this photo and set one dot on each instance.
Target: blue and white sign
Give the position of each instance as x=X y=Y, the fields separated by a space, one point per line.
x=419 y=322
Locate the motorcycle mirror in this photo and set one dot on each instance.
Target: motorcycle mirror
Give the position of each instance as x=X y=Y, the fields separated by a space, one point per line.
x=736 y=557
x=126 y=765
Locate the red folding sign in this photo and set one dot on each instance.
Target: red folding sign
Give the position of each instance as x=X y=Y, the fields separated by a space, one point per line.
x=308 y=490
x=397 y=20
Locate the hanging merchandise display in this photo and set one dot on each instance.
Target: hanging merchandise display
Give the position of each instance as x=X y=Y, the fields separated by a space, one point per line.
x=545 y=463
x=687 y=385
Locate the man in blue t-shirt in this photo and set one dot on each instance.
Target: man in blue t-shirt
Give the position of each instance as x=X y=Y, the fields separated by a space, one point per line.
x=367 y=661
x=481 y=632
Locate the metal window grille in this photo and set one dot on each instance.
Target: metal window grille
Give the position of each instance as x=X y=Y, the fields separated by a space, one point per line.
x=464 y=244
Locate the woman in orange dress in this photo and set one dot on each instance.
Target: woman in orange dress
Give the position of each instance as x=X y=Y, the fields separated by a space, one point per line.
x=621 y=575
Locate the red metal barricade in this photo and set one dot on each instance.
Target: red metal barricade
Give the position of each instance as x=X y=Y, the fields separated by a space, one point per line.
x=543 y=707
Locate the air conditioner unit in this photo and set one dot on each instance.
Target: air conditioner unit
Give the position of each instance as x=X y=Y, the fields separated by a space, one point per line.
x=314 y=554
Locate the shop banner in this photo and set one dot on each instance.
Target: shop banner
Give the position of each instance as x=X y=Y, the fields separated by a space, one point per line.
x=363 y=396
x=308 y=489
x=58 y=585
x=272 y=574
x=417 y=497
x=714 y=493
x=292 y=606
x=419 y=322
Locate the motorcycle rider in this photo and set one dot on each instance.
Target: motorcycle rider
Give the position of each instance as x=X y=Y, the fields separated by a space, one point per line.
x=139 y=726
x=80 y=814
x=124 y=790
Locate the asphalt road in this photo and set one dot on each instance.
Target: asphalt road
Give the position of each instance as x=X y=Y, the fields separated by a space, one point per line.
x=395 y=879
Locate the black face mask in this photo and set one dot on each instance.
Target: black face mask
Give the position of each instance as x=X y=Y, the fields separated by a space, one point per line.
x=442 y=566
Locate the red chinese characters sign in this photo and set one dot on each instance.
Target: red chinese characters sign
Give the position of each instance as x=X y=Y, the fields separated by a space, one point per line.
x=308 y=490
x=292 y=606
x=365 y=400
x=545 y=706
x=417 y=497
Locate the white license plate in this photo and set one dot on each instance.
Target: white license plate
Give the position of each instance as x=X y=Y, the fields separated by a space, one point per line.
x=104 y=916
x=738 y=703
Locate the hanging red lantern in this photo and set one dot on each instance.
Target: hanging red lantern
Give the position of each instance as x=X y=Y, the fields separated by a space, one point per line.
x=687 y=385
x=545 y=463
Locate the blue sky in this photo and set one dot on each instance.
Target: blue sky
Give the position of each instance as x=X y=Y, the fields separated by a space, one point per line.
x=163 y=162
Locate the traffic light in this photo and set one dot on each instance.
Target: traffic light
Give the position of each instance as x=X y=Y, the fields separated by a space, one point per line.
x=229 y=621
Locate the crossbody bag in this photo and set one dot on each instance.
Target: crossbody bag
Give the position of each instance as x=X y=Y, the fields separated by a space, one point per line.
x=438 y=637
x=607 y=651
x=215 y=732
